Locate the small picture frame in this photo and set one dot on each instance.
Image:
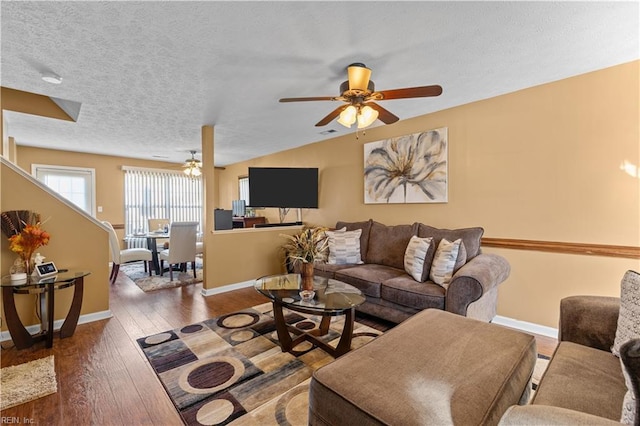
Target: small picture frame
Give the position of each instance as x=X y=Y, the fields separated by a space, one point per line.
x=46 y=269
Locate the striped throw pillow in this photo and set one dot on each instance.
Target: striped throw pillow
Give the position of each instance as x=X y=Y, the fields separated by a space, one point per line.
x=444 y=262
x=414 y=257
x=344 y=247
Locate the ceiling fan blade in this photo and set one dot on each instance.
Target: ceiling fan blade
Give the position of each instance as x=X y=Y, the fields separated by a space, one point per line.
x=411 y=92
x=316 y=98
x=331 y=116
x=383 y=115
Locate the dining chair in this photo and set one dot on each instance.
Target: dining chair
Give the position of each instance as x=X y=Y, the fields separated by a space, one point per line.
x=120 y=256
x=182 y=247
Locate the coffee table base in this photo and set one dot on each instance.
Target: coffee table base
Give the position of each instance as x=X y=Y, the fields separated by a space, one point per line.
x=287 y=343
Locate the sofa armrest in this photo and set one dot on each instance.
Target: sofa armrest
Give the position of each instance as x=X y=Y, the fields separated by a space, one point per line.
x=475 y=278
x=539 y=415
x=589 y=320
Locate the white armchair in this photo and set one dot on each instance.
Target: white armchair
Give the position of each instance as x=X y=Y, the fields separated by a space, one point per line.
x=120 y=256
x=182 y=247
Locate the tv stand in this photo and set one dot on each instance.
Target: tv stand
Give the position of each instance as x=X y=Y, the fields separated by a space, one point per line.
x=247 y=222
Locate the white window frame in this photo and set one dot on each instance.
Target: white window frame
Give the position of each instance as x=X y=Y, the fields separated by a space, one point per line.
x=92 y=178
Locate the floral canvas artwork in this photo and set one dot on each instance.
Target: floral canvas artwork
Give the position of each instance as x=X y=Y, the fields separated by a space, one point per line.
x=407 y=169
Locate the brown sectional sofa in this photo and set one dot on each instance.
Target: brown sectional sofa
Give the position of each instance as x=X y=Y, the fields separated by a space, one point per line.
x=583 y=383
x=392 y=294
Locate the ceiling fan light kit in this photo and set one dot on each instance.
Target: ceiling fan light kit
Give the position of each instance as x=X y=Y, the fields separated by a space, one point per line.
x=192 y=166
x=364 y=115
x=359 y=93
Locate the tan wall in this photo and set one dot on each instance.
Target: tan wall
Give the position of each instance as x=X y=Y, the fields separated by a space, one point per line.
x=241 y=255
x=76 y=243
x=109 y=175
x=540 y=164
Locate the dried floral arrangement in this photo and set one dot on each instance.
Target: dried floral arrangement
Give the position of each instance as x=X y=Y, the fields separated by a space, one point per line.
x=309 y=245
x=14 y=221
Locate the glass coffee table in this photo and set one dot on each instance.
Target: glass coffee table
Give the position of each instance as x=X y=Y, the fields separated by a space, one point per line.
x=331 y=298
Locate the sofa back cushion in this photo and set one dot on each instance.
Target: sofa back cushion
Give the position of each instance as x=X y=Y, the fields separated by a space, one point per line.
x=387 y=244
x=470 y=236
x=364 y=237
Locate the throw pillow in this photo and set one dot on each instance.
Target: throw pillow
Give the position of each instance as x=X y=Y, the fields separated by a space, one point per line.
x=444 y=262
x=414 y=257
x=628 y=328
x=629 y=403
x=344 y=247
x=629 y=316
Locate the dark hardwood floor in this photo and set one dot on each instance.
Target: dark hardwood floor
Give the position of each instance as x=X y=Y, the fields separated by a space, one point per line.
x=103 y=376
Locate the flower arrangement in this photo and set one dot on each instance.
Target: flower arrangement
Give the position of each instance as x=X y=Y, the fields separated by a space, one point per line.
x=25 y=243
x=306 y=247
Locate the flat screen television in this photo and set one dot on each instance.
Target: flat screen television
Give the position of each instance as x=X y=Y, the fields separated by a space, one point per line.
x=286 y=187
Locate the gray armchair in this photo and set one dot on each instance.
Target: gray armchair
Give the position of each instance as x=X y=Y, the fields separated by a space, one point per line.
x=584 y=382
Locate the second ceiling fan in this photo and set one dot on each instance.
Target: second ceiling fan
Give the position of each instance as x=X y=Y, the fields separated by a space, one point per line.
x=358 y=94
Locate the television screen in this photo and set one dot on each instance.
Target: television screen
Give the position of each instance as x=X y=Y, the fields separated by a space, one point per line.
x=286 y=187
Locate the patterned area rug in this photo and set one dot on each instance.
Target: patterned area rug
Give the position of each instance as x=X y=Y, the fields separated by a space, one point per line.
x=231 y=368
x=136 y=272
x=26 y=382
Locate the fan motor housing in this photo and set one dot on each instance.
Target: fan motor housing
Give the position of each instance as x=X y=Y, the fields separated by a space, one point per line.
x=344 y=90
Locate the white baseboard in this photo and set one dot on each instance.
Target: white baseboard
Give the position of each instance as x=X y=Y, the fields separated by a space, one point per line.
x=528 y=327
x=226 y=288
x=96 y=316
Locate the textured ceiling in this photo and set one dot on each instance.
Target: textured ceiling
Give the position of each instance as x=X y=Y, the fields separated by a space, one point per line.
x=150 y=74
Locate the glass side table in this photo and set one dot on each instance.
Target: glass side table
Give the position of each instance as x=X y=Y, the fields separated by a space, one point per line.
x=45 y=288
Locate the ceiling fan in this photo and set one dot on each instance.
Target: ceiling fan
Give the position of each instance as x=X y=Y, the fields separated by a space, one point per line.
x=192 y=166
x=358 y=93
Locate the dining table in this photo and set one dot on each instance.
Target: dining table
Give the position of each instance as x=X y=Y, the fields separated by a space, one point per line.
x=152 y=245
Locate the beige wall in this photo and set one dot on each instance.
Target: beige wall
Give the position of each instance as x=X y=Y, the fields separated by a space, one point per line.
x=76 y=243
x=540 y=164
x=109 y=175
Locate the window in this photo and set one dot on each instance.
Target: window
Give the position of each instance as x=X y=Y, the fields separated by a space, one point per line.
x=155 y=193
x=76 y=184
x=243 y=189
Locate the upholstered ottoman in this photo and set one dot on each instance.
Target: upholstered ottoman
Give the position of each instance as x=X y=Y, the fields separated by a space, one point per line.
x=436 y=368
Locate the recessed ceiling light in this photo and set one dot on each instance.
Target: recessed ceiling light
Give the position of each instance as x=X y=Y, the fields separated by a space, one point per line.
x=52 y=78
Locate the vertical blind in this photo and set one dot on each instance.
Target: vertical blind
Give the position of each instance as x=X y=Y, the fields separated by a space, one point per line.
x=160 y=194
x=243 y=189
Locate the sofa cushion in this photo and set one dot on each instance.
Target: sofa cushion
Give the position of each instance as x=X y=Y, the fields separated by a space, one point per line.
x=368 y=278
x=406 y=291
x=470 y=236
x=364 y=237
x=324 y=269
x=449 y=255
x=415 y=255
x=583 y=379
x=387 y=244
x=344 y=247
